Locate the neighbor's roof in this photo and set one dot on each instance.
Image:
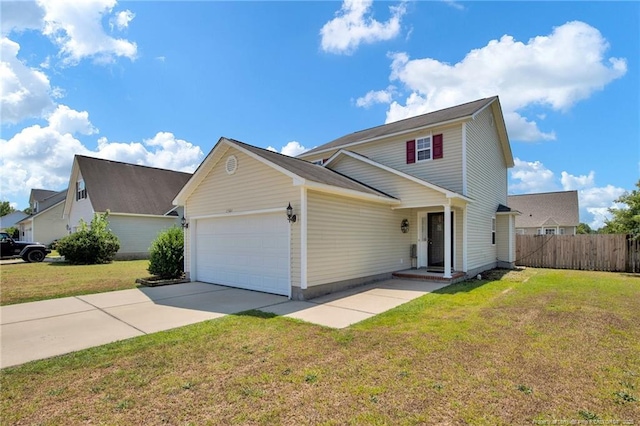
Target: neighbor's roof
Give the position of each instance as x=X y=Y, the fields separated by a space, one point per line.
x=9 y=220
x=129 y=188
x=407 y=125
x=41 y=194
x=546 y=209
x=57 y=197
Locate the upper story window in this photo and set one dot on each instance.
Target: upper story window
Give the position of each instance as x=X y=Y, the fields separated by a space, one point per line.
x=423 y=148
x=81 y=190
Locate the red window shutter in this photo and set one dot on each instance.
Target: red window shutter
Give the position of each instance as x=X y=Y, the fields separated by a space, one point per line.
x=411 y=151
x=437 y=147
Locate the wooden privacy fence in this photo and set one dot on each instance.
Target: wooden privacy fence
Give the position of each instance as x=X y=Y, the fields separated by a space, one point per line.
x=596 y=252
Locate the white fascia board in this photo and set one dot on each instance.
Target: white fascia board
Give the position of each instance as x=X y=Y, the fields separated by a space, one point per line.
x=390 y=135
x=330 y=189
x=71 y=190
x=263 y=160
x=198 y=176
x=446 y=192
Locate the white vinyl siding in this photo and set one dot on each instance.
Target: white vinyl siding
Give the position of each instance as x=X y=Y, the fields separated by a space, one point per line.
x=410 y=193
x=49 y=225
x=80 y=209
x=350 y=239
x=486 y=185
x=505 y=241
x=136 y=233
x=392 y=152
x=254 y=186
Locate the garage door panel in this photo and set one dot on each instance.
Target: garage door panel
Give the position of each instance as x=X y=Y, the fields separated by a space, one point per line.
x=244 y=251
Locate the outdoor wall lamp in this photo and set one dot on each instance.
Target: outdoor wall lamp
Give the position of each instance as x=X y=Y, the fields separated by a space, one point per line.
x=404 y=226
x=290 y=216
x=184 y=222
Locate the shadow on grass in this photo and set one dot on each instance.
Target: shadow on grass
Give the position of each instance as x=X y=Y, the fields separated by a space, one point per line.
x=256 y=314
x=474 y=283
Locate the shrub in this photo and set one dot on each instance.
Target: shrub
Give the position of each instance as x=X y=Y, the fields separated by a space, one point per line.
x=167 y=254
x=13 y=233
x=91 y=244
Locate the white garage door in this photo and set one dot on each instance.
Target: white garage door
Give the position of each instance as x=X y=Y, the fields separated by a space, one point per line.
x=249 y=252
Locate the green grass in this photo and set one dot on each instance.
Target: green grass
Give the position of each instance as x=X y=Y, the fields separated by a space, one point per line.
x=534 y=346
x=28 y=282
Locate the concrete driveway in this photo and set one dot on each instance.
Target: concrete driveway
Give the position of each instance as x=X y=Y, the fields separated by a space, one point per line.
x=38 y=330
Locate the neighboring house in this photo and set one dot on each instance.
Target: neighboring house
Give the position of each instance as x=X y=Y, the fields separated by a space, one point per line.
x=377 y=194
x=138 y=199
x=555 y=213
x=11 y=220
x=45 y=223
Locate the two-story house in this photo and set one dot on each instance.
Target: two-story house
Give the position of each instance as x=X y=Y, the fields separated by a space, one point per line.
x=138 y=199
x=428 y=192
x=45 y=223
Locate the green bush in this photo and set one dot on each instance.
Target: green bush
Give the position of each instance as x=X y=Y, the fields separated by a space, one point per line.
x=167 y=254
x=91 y=244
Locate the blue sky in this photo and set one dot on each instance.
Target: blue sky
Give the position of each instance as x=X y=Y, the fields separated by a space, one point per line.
x=158 y=83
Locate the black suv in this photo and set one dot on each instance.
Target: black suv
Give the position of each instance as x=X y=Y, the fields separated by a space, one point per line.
x=29 y=252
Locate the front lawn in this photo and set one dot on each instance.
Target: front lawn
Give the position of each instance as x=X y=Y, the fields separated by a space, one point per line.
x=27 y=282
x=532 y=347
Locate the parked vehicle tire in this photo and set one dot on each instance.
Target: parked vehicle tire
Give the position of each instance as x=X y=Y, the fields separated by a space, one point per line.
x=34 y=256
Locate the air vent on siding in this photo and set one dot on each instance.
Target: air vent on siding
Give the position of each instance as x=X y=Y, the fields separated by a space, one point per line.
x=232 y=164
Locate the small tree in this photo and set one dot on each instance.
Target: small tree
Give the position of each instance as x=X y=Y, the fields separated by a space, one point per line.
x=625 y=220
x=13 y=232
x=91 y=244
x=167 y=254
x=584 y=228
x=5 y=208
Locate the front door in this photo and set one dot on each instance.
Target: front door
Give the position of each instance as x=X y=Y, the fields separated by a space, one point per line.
x=431 y=241
x=435 y=236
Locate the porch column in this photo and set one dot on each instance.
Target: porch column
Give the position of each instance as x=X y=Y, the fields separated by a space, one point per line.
x=447 y=241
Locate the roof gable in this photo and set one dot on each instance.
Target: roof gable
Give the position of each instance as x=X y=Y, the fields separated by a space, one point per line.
x=453 y=114
x=549 y=208
x=302 y=172
x=127 y=188
x=446 y=192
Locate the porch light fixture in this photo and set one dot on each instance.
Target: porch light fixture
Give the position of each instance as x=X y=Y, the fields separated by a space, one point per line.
x=404 y=226
x=184 y=222
x=290 y=216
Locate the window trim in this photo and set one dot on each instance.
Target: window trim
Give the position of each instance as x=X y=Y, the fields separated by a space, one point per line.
x=430 y=148
x=81 y=194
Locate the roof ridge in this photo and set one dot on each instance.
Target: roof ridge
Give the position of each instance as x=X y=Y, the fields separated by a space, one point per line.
x=130 y=164
x=268 y=150
x=542 y=193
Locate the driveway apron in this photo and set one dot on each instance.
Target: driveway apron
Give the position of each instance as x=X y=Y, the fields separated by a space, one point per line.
x=38 y=330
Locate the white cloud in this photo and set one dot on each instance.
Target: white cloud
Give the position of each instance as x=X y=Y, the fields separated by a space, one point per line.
x=554 y=72
x=20 y=16
x=122 y=19
x=532 y=176
x=292 y=149
x=41 y=157
x=76 y=27
x=570 y=182
x=454 y=4
x=354 y=24
x=25 y=92
x=376 y=97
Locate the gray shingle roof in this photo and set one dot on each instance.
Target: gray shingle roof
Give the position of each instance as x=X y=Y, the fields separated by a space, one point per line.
x=41 y=194
x=130 y=188
x=408 y=124
x=548 y=208
x=310 y=171
x=52 y=200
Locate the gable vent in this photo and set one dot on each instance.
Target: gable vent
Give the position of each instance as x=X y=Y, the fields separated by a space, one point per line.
x=232 y=164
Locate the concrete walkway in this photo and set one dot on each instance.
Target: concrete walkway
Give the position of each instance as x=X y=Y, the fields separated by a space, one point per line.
x=38 y=330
